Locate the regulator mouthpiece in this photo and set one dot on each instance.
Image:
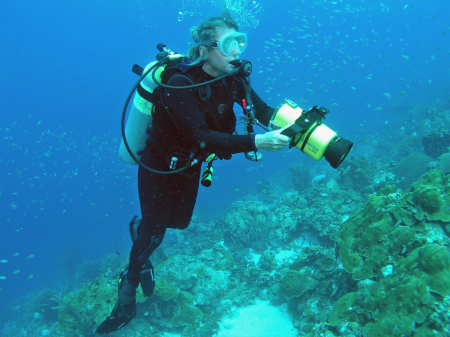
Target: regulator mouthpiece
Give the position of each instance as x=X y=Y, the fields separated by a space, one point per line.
x=243 y=67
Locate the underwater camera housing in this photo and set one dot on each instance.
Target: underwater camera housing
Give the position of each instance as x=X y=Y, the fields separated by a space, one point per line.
x=309 y=134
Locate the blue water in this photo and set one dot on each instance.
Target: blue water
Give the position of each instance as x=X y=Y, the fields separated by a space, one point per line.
x=65 y=72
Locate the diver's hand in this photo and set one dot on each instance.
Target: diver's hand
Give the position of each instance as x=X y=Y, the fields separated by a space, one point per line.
x=272 y=141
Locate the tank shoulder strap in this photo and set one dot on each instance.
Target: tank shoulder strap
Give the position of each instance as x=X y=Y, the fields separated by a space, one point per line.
x=203 y=93
x=177 y=65
x=193 y=75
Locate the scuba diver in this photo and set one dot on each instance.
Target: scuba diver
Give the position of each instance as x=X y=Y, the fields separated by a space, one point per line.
x=187 y=127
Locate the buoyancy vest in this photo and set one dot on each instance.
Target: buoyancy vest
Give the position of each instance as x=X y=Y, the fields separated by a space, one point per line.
x=164 y=134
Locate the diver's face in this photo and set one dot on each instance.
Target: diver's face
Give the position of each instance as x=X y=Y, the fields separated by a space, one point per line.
x=217 y=63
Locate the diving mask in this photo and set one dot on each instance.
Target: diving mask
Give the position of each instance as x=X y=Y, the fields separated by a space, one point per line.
x=228 y=41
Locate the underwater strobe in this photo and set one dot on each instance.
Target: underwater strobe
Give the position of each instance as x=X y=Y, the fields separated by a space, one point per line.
x=308 y=134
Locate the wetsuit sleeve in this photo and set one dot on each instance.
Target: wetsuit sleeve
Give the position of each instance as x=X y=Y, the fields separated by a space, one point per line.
x=188 y=119
x=263 y=112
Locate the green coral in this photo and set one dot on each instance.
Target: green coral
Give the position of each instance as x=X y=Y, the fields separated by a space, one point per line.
x=387 y=241
x=186 y=313
x=71 y=320
x=431 y=195
x=434 y=260
x=397 y=306
x=326 y=263
x=444 y=163
x=295 y=283
x=288 y=223
x=209 y=329
x=78 y=312
x=200 y=271
x=344 y=308
x=359 y=240
x=428 y=197
x=164 y=290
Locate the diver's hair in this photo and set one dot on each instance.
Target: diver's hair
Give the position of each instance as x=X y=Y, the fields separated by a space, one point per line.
x=205 y=33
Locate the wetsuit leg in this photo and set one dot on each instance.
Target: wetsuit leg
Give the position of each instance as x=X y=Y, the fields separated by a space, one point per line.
x=167 y=201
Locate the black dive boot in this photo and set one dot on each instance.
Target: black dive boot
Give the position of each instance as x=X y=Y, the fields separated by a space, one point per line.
x=125 y=309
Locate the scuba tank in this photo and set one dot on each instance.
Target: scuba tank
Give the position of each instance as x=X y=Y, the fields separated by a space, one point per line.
x=140 y=116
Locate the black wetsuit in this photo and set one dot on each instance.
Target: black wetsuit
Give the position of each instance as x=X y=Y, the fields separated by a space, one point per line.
x=167 y=201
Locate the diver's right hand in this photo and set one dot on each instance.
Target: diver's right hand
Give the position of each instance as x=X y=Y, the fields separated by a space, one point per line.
x=272 y=141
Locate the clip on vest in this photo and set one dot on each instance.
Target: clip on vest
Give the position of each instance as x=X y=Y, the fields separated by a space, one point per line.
x=173 y=163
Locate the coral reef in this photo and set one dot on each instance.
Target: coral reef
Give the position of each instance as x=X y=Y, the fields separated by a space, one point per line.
x=397 y=242
x=358 y=171
x=411 y=168
x=436 y=143
x=444 y=163
x=88 y=270
x=42 y=303
x=280 y=246
x=300 y=177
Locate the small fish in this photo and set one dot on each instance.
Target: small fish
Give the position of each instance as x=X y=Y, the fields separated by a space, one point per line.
x=378 y=108
x=2 y=277
x=16 y=271
x=16 y=254
x=4 y=261
x=117 y=253
x=236 y=189
x=31 y=276
x=171 y=238
x=386 y=94
x=405 y=57
x=30 y=256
